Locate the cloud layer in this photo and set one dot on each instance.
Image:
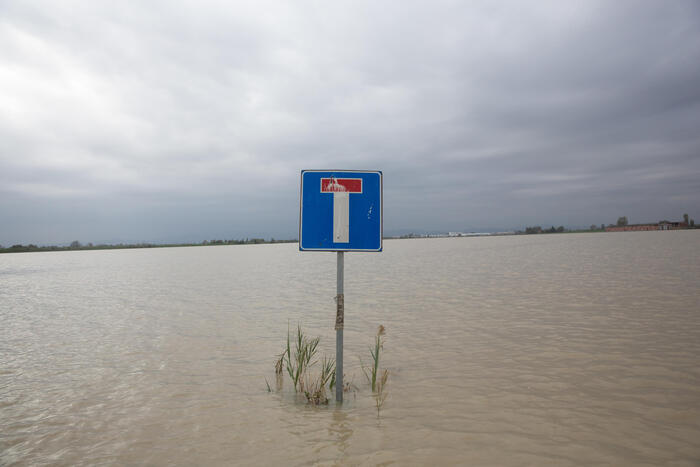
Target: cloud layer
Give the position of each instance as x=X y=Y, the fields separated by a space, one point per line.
x=174 y=121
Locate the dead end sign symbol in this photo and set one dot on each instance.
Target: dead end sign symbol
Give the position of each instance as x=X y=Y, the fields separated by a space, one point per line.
x=341 y=188
x=340 y=210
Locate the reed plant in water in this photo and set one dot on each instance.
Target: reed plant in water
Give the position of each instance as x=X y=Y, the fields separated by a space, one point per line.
x=377 y=378
x=328 y=371
x=372 y=372
x=279 y=368
x=304 y=351
x=380 y=394
x=315 y=388
x=299 y=356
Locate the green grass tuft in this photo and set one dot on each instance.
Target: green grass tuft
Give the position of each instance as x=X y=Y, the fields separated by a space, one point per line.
x=303 y=358
x=376 y=378
x=299 y=356
x=372 y=372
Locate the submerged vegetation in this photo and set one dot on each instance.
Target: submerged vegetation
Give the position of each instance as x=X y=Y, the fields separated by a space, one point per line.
x=315 y=387
x=377 y=378
x=299 y=358
x=371 y=372
x=304 y=352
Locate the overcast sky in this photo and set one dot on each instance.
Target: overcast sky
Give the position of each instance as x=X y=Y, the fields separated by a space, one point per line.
x=183 y=121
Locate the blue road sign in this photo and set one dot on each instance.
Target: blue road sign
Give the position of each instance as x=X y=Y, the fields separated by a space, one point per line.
x=340 y=210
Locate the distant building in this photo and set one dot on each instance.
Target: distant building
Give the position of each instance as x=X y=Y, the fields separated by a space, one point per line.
x=664 y=225
x=469 y=234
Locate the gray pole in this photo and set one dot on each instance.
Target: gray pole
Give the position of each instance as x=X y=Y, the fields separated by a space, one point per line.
x=339 y=322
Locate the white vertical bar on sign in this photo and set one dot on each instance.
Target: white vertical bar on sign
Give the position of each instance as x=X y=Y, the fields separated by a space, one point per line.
x=341 y=217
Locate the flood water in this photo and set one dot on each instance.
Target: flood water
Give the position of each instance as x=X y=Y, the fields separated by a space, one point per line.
x=575 y=349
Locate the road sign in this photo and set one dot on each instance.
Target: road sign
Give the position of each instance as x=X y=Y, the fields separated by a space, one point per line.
x=340 y=210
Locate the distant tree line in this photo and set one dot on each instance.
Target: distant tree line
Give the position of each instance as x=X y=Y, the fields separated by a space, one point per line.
x=539 y=230
x=621 y=222
x=77 y=245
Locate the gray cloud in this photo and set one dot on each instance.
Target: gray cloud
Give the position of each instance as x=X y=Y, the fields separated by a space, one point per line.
x=179 y=121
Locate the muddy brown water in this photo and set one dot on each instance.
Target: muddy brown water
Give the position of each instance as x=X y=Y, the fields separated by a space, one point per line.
x=578 y=349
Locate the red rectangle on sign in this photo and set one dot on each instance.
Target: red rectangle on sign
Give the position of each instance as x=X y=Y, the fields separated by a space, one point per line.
x=333 y=185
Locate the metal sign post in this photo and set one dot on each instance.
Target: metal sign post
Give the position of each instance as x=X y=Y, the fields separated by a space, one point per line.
x=340 y=210
x=339 y=321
